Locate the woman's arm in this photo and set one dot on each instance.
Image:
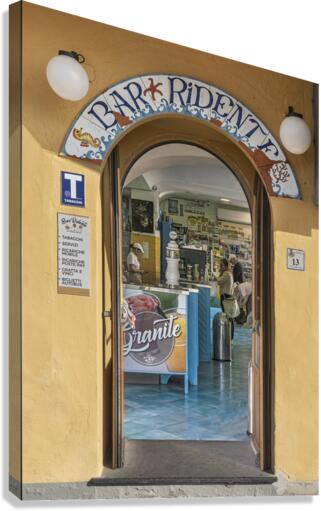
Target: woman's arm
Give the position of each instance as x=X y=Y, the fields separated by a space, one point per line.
x=133 y=269
x=223 y=279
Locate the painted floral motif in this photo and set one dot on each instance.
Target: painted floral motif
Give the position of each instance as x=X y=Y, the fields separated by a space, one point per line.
x=279 y=175
x=107 y=116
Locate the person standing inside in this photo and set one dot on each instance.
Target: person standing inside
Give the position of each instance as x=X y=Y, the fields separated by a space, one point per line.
x=135 y=273
x=238 y=270
x=225 y=282
x=243 y=294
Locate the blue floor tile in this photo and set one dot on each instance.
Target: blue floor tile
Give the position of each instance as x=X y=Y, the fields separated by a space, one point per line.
x=216 y=409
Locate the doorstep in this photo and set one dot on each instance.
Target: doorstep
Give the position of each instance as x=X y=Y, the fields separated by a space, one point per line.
x=170 y=462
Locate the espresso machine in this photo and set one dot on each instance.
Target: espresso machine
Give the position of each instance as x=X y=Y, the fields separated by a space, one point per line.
x=172 y=260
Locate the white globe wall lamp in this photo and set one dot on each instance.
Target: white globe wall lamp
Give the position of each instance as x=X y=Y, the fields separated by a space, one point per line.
x=66 y=75
x=295 y=134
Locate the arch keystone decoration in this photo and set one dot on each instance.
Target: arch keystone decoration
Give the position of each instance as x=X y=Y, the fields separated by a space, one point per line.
x=99 y=125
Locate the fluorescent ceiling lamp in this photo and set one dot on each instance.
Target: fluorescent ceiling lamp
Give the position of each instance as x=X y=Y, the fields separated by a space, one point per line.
x=233 y=215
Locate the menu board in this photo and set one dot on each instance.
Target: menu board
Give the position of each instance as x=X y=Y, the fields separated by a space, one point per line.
x=155 y=331
x=73 y=254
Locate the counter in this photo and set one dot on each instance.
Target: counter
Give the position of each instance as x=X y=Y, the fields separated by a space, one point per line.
x=193 y=334
x=158 y=288
x=204 y=318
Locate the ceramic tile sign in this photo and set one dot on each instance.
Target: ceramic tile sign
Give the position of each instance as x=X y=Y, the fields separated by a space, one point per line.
x=124 y=104
x=72 y=189
x=73 y=254
x=155 y=332
x=295 y=259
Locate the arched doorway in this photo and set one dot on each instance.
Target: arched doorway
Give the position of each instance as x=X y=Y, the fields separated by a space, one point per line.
x=262 y=430
x=127 y=107
x=184 y=189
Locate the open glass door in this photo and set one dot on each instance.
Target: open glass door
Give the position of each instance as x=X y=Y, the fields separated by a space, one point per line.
x=113 y=356
x=261 y=345
x=256 y=337
x=261 y=342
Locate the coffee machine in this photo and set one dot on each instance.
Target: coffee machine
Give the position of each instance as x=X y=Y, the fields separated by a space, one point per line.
x=172 y=260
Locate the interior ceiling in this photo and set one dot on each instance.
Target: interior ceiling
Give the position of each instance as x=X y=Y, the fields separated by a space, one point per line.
x=187 y=171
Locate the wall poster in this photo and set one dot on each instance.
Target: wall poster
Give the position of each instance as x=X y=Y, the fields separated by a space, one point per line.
x=154 y=330
x=142 y=216
x=73 y=254
x=173 y=206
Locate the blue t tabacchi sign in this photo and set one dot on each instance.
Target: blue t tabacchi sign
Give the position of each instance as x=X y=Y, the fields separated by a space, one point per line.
x=92 y=135
x=72 y=189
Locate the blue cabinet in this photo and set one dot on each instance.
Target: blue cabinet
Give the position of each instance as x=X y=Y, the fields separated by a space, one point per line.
x=204 y=322
x=193 y=340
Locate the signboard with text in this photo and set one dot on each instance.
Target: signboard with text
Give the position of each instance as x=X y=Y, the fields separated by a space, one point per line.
x=118 y=108
x=73 y=254
x=155 y=337
x=72 y=189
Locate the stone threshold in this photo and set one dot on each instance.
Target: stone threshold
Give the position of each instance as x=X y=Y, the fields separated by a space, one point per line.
x=81 y=491
x=185 y=462
x=103 y=481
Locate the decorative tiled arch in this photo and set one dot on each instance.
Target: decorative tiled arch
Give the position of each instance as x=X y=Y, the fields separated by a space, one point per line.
x=107 y=116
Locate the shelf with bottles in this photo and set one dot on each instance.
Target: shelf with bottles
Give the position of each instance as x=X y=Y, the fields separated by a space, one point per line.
x=232 y=227
x=217 y=238
x=247 y=264
x=244 y=260
x=199 y=235
x=236 y=241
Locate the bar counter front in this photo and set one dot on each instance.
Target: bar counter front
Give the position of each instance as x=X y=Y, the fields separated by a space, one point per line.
x=161 y=331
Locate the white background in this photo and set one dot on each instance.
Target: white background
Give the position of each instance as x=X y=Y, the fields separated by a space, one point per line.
x=281 y=35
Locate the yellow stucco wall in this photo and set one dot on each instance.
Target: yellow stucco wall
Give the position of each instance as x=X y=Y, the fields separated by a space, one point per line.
x=296 y=341
x=62 y=335
x=15 y=394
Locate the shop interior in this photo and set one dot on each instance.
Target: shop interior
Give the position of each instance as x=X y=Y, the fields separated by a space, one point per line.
x=186 y=225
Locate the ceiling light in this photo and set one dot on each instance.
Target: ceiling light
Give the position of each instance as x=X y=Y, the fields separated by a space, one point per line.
x=225 y=200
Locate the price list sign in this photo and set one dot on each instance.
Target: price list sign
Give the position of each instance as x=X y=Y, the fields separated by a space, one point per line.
x=73 y=254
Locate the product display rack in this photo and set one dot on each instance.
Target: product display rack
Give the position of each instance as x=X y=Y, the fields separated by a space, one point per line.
x=233 y=239
x=219 y=239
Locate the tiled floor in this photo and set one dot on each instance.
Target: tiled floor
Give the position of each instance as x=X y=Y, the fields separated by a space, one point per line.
x=216 y=409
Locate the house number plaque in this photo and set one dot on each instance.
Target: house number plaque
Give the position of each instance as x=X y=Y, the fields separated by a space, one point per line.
x=295 y=259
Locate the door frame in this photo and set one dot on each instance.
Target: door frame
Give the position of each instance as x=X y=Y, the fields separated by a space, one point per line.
x=262 y=359
x=267 y=407
x=268 y=348
x=113 y=378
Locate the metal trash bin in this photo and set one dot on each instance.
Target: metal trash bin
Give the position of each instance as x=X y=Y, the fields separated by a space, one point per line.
x=222 y=337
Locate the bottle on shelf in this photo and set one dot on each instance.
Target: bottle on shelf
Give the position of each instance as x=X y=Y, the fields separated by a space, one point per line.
x=196 y=273
x=189 y=269
x=206 y=274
